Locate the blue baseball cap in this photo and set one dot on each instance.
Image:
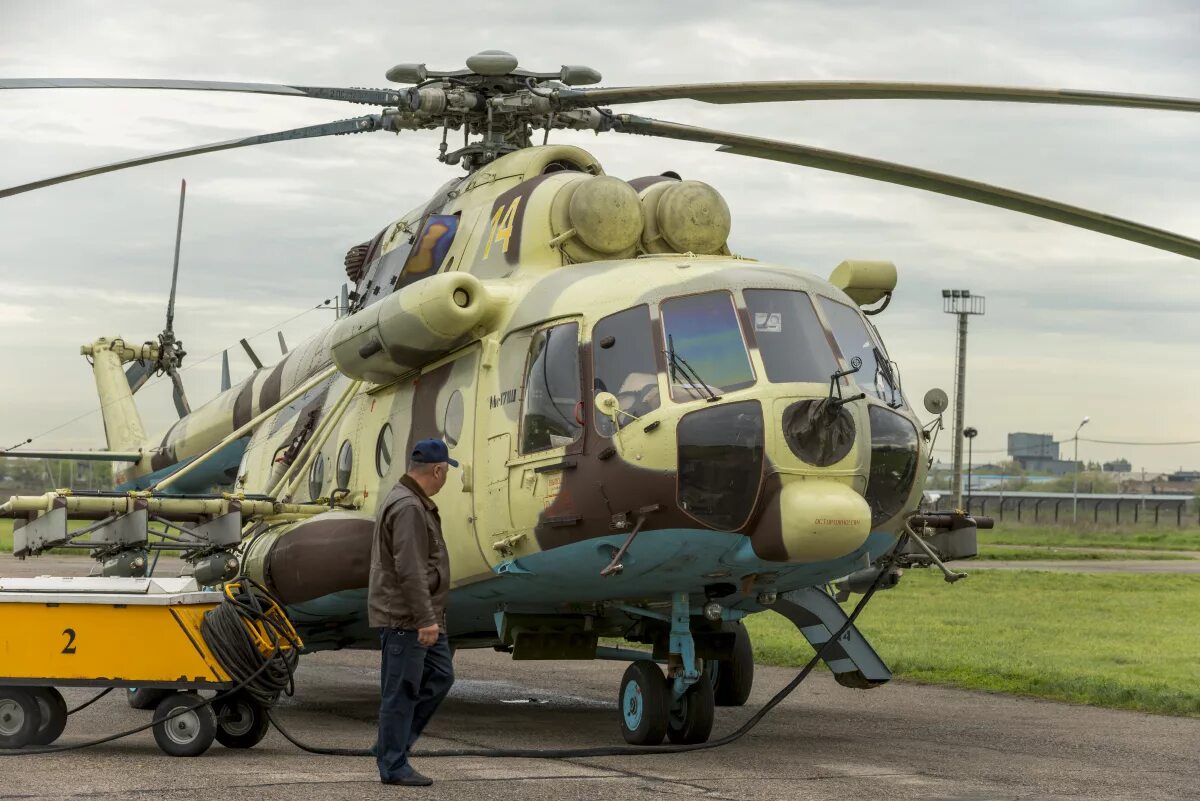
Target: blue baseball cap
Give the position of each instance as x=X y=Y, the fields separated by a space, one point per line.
x=432 y=451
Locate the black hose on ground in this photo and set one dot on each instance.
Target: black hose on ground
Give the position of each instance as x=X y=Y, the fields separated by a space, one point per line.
x=266 y=676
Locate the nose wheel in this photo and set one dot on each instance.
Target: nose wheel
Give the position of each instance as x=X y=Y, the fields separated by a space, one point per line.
x=650 y=712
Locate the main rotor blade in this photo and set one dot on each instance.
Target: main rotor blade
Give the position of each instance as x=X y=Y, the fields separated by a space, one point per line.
x=368 y=97
x=778 y=91
x=371 y=122
x=915 y=177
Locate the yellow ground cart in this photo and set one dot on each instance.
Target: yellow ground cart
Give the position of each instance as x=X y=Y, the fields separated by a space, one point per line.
x=142 y=635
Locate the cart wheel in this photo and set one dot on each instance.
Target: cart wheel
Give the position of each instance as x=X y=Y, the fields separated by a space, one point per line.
x=145 y=697
x=52 y=713
x=241 y=721
x=19 y=717
x=190 y=732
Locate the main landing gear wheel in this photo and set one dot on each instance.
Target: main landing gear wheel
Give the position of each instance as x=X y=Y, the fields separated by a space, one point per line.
x=733 y=678
x=690 y=719
x=52 y=715
x=643 y=701
x=241 y=721
x=188 y=734
x=19 y=717
x=145 y=697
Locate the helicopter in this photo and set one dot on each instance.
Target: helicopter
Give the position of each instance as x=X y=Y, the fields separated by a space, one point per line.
x=657 y=436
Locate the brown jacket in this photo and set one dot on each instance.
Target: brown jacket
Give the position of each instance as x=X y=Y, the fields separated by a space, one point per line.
x=410 y=568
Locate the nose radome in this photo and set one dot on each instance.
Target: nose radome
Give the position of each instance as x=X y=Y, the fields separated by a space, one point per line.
x=811 y=521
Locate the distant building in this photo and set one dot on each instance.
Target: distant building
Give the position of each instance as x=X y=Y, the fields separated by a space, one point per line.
x=1038 y=453
x=1184 y=476
x=1118 y=466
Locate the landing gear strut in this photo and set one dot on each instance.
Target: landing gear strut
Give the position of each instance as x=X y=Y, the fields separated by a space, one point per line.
x=681 y=704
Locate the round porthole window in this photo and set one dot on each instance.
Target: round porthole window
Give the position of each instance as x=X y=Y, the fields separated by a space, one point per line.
x=316 y=477
x=452 y=428
x=383 y=450
x=345 y=465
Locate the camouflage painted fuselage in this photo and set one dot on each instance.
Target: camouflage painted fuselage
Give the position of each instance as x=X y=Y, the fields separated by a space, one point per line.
x=724 y=498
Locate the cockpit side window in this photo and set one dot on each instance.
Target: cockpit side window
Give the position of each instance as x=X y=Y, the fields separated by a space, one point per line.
x=876 y=375
x=429 y=249
x=552 y=413
x=705 y=350
x=791 y=340
x=624 y=362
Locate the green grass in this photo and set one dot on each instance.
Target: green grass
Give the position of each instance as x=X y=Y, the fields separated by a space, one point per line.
x=1008 y=554
x=1165 y=538
x=1121 y=641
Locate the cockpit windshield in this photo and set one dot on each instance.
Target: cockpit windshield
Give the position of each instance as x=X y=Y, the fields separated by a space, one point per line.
x=705 y=350
x=877 y=375
x=791 y=340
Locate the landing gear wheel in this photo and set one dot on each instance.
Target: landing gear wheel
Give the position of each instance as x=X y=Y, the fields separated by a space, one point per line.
x=19 y=717
x=733 y=678
x=690 y=719
x=241 y=721
x=188 y=734
x=643 y=703
x=52 y=713
x=145 y=697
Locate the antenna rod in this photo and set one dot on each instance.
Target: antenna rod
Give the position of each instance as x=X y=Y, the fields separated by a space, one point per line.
x=175 y=269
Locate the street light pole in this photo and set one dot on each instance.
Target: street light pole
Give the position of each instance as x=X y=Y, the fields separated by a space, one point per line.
x=962 y=303
x=1075 y=491
x=970 y=433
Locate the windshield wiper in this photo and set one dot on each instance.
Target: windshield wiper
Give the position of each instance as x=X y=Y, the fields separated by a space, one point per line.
x=680 y=365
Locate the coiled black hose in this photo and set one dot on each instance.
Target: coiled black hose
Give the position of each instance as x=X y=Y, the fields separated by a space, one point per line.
x=227 y=632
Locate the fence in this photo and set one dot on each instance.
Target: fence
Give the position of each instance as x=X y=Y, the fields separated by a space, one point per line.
x=1055 y=507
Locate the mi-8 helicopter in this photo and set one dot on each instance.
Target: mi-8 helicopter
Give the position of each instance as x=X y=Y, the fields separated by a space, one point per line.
x=657 y=436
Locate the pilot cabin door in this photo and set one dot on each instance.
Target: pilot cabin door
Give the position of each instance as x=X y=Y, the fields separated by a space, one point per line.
x=550 y=430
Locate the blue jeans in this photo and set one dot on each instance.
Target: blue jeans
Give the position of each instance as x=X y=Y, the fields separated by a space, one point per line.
x=414 y=679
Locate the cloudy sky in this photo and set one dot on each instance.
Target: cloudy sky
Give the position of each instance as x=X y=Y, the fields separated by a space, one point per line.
x=1077 y=323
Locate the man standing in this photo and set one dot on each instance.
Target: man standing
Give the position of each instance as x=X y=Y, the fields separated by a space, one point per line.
x=410 y=579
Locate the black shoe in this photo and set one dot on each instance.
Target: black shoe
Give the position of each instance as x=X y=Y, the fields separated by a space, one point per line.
x=413 y=779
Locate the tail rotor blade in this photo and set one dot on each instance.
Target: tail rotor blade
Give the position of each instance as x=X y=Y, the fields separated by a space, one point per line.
x=282 y=344
x=225 y=382
x=170 y=329
x=178 y=395
x=137 y=374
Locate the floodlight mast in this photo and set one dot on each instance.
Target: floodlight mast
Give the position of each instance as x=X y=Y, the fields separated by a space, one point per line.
x=962 y=303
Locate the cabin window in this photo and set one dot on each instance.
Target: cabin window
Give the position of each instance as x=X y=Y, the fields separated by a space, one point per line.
x=552 y=407
x=875 y=376
x=345 y=465
x=383 y=450
x=625 y=365
x=705 y=350
x=429 y=249
x=316 y=477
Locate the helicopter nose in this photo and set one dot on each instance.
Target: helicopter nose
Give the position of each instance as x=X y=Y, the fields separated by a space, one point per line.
x=810 y=520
